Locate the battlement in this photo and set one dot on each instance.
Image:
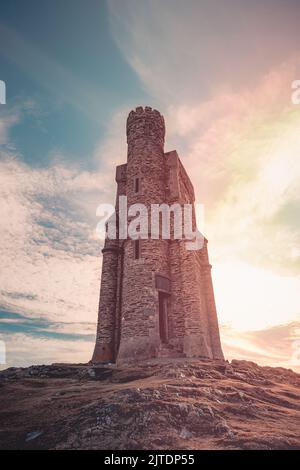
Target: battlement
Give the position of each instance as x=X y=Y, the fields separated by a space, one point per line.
x=145 y=122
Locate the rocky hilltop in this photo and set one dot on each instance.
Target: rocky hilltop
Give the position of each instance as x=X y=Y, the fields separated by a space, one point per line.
x=164 y=404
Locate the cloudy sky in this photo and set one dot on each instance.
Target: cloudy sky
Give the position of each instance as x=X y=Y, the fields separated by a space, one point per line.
x=220 y=71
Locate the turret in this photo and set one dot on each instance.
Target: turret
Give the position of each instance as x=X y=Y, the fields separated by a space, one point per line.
x=146 y=184
x=145 y=123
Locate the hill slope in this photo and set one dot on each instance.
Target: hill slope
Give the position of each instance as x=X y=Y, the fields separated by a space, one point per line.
x=166 y=404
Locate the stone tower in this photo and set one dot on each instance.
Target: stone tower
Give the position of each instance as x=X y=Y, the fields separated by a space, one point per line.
x=156 y=297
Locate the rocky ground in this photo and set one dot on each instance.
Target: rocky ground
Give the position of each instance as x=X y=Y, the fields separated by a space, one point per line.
x=176 y=404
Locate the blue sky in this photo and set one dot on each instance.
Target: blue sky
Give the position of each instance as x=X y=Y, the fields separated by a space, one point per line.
x=63 y=68
x=220 y=72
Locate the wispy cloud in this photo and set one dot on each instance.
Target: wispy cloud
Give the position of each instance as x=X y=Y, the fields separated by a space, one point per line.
x=13 y=323
x=186 y=52
x=24 y=350
x=50 y=256
x=276 y=346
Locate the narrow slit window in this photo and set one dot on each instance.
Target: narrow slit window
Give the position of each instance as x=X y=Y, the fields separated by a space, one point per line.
x=137 y=249
x=136 y=185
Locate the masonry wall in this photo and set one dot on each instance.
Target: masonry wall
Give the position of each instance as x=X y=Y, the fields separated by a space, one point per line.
x=188 y=313
x=105 y=336
x=209 y=298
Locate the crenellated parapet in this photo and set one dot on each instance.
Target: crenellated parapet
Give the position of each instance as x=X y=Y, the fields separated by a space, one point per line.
x=145 y=123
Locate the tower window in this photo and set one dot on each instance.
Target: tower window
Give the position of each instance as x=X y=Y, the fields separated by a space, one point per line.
x=136 y=185
x=137 y=249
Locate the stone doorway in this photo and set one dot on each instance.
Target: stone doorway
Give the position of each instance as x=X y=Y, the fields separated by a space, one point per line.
x=163 y=317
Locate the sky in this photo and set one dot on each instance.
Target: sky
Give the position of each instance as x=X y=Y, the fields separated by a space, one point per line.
x=220 y=71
